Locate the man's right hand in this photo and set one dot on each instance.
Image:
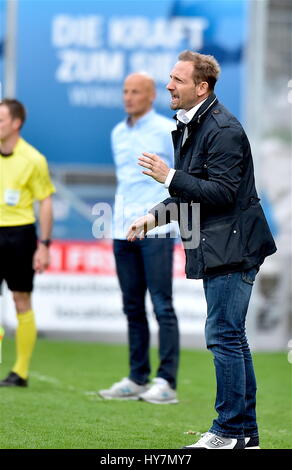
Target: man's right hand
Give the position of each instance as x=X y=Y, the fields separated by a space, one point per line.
x=140 y=227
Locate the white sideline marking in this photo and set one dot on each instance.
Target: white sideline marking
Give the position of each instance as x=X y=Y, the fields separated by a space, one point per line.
x=59 y=384
x=45 y=378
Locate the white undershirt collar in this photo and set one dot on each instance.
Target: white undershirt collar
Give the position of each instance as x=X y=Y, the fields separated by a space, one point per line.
x=186 y=116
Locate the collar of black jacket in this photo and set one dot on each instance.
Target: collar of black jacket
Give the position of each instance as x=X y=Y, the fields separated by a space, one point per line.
x=202 y=111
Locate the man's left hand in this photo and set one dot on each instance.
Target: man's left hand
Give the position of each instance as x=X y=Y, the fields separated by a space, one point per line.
x=156 y=167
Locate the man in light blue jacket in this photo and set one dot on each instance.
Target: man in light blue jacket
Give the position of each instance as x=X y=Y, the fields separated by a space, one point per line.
x=145 y=264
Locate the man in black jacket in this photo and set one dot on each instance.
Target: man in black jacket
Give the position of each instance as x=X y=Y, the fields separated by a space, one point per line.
x=214 y=168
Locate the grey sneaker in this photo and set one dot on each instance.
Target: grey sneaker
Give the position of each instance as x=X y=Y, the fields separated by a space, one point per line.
x=211 y=441
x=126 y=389
x=252 y=443
x=160 y=393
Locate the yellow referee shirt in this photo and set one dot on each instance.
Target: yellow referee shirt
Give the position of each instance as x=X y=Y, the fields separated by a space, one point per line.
x=24 y=178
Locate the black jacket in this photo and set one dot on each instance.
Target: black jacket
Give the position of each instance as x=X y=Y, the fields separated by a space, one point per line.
x=214 y=168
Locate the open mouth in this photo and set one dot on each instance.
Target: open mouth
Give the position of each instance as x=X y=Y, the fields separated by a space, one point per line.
x=174 y=97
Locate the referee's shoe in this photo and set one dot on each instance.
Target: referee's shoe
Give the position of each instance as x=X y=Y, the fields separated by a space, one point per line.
x=13 y=380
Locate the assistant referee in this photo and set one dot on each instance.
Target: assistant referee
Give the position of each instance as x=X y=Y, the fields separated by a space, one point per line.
x=24 y=179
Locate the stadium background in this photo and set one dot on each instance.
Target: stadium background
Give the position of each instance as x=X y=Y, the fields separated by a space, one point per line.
x=66 y=60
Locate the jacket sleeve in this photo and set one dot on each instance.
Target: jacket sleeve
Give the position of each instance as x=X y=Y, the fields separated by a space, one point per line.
x=224 y=169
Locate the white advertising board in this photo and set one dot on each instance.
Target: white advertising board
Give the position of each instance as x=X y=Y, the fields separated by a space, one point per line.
x=80 y=293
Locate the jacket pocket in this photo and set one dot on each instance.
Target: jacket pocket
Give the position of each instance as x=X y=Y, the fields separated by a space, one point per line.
x=249 y=201
x=257 y=238
x=198 y=165
x=221 y=244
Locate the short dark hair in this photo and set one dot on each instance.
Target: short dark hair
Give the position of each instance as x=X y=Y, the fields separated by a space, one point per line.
x=16 y=109
x=206 y=67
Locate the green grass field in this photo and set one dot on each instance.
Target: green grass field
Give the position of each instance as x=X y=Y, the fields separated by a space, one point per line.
x=60 y=409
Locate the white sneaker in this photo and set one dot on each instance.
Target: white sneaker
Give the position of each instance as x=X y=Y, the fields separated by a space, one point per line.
x=126 y=389
x=160 y=393
x=212 y=441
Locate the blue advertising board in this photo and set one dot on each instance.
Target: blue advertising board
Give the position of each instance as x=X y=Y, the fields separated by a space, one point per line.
x=2 y=37
x=72 y=58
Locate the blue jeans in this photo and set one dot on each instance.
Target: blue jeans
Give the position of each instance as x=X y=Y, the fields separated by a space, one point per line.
x=141 y=265
x=227 y=302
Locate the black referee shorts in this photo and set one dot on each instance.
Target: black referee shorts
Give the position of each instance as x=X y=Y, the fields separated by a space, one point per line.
x=17 y=247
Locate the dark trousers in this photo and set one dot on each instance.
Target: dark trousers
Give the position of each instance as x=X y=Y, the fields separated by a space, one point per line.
x=141 y=265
